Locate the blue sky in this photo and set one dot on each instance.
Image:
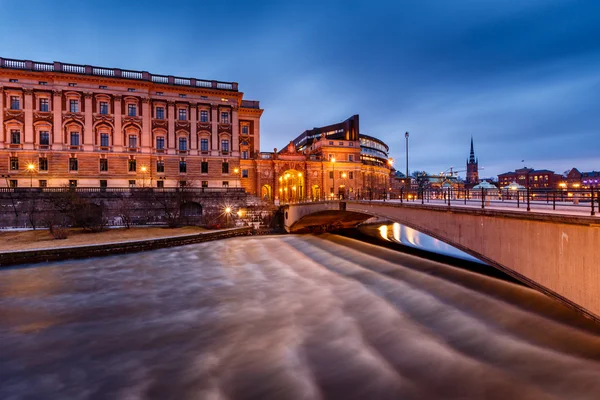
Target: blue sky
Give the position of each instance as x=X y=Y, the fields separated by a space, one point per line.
x=522 y=77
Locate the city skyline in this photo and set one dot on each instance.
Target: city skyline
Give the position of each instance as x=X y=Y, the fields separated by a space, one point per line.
x=520 y=79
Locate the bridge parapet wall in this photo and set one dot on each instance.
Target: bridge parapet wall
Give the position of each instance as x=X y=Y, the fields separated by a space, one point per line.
x=556 y=254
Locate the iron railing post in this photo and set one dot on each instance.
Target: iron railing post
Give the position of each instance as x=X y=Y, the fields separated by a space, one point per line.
x=593 y=211
x=482 y=198
x=401 y=195
x=528 y=208
x=554 y=200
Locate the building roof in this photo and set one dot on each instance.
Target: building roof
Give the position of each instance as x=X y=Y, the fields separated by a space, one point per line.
x=118 y=73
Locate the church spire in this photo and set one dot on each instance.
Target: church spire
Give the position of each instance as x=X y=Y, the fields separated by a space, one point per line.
x=472 y=154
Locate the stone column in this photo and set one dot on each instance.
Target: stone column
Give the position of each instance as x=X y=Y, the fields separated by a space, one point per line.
x=193 y=129
x=2 y=133
x=214 y=132
x=171 y=127
x=146 y=139
x=118 y=133
x=57 y=134
x=235 y=130
x=257 y=134
x=28 y=108
x=88 y=133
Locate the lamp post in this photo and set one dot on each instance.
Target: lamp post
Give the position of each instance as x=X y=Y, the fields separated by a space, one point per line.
x=406 y=136
x=333 y=173
x=144 y=169
x=30 y=169
x=236 y=172
x=227 y=214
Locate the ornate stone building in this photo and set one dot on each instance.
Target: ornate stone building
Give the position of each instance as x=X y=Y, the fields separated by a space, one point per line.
x=80 y=125
x=320 y=163
x=84 y=126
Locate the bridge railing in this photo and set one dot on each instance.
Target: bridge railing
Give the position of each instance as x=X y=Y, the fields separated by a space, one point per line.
x=567 y=200
x=579 y=201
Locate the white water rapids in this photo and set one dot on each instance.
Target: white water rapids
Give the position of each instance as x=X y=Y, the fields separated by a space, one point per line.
x=285 y=317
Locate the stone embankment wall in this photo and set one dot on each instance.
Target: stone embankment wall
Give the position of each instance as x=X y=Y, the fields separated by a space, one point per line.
x=23 y=209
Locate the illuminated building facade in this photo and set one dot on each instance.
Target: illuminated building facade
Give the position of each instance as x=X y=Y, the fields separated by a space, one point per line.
x=94 y=127
x=79 y=125
x=324 y=162
x=529 y=177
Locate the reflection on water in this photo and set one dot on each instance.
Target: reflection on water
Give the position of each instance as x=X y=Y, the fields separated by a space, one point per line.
x=285 y=317
x=413 y=238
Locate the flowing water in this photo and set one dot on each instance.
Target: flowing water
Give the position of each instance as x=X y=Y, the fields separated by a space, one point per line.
x=285 y=317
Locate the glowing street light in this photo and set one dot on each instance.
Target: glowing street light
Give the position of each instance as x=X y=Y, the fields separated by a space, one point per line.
x=31 y=170
x=143 y=169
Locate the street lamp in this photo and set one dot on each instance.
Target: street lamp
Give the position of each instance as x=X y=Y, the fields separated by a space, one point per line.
x=406 y=136
x=333 y=175
x=236 y=172
x=227 y=214
x=31 y=170
x=144 y=169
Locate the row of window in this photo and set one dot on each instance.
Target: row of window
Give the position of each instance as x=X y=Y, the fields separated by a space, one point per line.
x=350 y=157
x=15 y=138
x=72 y=84
x=131 y=166
x=15 y=104
x=342 y=175
x=13 y=183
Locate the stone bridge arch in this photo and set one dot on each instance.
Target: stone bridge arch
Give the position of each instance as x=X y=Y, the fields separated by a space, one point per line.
x=555 y=254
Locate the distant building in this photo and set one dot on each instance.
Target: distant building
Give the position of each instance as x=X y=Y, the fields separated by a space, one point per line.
x=532 y=178
x=584 y=180
x=320 y=162
x=472 y=168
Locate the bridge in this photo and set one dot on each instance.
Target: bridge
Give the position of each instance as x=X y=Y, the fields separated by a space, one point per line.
x=553 y=252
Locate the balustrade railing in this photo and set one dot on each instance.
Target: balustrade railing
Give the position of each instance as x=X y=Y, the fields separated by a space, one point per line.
x=113 y=72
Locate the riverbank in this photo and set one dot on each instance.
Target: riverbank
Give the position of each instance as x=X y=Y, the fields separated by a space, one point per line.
x=42 y=239
x=8 y=258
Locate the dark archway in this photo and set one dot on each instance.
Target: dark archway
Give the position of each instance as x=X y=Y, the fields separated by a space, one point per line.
x=191 y=209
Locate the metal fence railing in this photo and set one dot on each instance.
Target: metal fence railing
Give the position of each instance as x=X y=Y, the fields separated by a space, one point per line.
x=580 y=201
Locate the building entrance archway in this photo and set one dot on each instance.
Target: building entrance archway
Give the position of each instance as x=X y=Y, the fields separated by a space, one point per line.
x=291 y=186
x=266 y=192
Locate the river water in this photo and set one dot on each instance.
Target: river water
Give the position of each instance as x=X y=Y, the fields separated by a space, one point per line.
x=285 y=317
